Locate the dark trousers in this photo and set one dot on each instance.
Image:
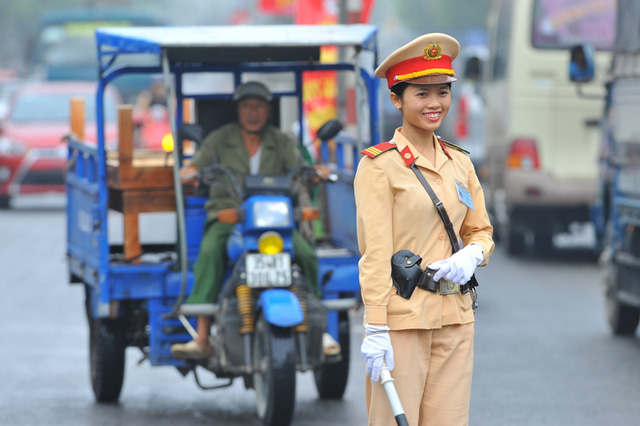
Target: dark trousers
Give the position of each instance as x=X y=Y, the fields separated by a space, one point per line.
x=212 y=261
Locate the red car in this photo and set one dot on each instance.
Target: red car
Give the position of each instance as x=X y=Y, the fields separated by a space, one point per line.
x=32 y=152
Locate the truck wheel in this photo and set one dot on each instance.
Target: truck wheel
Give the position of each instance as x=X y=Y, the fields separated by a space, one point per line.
x=5 y=202
x=331 y=379
x=623 y=319
x=515 y=240
x=274 y=377
x=106 y=354
x=543 y=242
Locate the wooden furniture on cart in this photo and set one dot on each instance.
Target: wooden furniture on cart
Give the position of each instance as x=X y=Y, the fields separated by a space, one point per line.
x=139 y=181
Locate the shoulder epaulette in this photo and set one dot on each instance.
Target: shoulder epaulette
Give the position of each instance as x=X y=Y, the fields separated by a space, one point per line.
x=453 y=145
x=375 y=150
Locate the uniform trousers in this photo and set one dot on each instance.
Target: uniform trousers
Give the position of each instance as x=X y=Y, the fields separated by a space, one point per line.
x=211 y=264
x=432 y=374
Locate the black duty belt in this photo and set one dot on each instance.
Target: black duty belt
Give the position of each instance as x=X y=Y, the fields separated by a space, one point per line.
x=407 y=274
x=441 y=287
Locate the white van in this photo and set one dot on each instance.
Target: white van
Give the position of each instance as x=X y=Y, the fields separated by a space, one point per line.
x=541 y=134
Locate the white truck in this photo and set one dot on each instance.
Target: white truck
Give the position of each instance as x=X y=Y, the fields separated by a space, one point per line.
x=542 y=136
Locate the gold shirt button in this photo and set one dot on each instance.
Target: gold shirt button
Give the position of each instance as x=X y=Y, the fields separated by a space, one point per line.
x=407 y=155
x=441 y=237
x=439 y=181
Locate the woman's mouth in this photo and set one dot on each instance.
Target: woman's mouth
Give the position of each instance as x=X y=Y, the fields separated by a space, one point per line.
x=432 y=116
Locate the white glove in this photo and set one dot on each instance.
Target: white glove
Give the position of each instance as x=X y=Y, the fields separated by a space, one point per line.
x=460 y=266
x=376 y=347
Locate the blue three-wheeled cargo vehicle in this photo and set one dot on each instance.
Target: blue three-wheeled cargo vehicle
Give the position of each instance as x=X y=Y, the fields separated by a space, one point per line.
x=266 y=325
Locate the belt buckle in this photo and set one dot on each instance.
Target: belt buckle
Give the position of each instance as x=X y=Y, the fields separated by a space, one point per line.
x=447 y=287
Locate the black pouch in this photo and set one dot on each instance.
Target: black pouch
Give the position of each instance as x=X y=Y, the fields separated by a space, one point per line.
x=406 y=272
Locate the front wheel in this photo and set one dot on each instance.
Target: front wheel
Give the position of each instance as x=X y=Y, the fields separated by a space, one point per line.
x=516 y=241
x=331 y=379
x=623 y=319
x=274 y=377
x=5 y=202
x=106 y=353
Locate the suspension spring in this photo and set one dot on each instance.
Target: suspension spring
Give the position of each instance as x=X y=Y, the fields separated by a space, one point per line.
x=301 y=292
x=245 y=308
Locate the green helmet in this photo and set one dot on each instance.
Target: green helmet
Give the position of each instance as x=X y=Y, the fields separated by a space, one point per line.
x=252 y=89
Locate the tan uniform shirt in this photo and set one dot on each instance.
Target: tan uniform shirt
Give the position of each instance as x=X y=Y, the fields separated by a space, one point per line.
x=394 y=212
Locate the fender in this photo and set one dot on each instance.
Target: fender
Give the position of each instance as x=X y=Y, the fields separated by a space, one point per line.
x=280 y=307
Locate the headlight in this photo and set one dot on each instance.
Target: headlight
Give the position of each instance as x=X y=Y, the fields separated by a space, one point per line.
x=270 y=243
x=11 y=147
x=271 y=214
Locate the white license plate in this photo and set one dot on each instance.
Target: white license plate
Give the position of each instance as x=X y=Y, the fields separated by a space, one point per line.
x=268 y=270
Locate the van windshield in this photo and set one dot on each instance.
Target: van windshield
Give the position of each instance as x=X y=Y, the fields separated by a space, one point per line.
x=561 y=24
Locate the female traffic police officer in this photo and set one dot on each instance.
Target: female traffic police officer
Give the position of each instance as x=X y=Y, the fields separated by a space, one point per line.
x=428 y=337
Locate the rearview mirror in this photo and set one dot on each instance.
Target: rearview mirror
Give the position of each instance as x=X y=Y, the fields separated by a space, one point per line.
x=581 y=66
x=473 y=69
x=329 y=130
x=191 y=132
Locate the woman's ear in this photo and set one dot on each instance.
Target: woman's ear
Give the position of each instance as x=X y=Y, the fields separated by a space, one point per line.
x=395 y=100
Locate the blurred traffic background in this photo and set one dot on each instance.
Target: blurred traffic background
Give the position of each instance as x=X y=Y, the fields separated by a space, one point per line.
x=49 y=56
x=548 y=345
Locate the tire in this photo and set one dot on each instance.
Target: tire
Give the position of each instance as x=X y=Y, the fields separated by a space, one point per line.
x=274 y=377
x=497 y=234
x=331 y=379
x=107 y=358
x=515 y=241
x=623 y=319
x=5 y=202
x=543 y=243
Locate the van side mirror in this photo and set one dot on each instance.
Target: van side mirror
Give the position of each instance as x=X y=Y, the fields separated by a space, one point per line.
x=581 y=65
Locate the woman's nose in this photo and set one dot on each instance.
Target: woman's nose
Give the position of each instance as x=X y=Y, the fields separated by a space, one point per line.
x=433 y=102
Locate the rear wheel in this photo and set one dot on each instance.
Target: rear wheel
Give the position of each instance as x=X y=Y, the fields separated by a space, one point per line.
x=274 y=379
x=107 y=346
x=331 y=379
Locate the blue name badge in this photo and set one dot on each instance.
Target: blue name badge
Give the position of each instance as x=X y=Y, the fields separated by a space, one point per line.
x=464 y=195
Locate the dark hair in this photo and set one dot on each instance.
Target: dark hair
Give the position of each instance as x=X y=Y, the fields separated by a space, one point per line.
x=399 y=88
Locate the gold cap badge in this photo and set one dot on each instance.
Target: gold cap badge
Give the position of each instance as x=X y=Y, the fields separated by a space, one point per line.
x=432 y=52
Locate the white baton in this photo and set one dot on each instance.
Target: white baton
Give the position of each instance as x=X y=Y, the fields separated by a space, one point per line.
x=387 y=382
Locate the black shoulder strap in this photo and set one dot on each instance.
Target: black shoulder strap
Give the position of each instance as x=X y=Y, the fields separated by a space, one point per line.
x=440 y=207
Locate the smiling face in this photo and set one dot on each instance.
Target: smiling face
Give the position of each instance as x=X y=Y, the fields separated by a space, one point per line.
x=423 y=106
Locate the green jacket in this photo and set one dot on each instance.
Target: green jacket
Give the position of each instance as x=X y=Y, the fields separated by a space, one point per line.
x=279 y=154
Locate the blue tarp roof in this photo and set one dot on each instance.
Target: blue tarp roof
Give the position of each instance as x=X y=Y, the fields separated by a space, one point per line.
x=155 y=39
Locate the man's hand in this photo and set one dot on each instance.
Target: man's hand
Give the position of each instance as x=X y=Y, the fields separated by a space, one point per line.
x=324 y=173
x=189 y=174
x=376 y=347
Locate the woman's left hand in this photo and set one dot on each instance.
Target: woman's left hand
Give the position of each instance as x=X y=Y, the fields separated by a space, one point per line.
x=460 y=266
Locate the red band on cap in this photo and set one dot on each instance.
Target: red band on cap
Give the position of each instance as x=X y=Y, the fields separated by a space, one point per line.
x=418 y=67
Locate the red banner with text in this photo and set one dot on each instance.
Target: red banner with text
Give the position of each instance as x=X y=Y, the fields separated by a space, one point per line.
x=320 y=87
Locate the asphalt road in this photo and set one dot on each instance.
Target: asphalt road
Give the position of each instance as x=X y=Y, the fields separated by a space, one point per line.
x=544 y=354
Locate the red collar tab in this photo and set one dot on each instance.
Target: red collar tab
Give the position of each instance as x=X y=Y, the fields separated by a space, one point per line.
x=375 y=150
x=444 y=149
x=407 y=156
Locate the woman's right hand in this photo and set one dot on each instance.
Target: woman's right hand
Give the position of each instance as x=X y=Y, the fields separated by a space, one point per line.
x=376 y=347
